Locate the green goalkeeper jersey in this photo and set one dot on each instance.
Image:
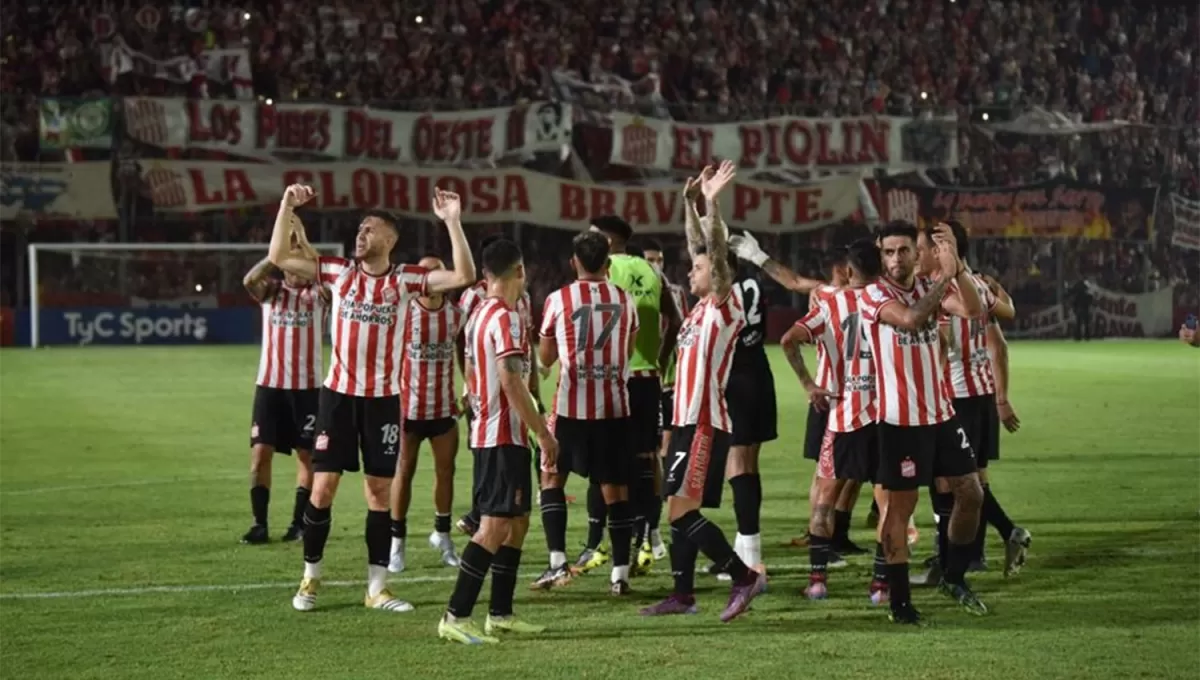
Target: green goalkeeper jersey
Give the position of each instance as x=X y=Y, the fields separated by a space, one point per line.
x=638 y=278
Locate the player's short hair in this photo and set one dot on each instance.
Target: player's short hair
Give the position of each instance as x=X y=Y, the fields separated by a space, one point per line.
x=652 y=244
x=500 y=257
x=834 y=257
x=613 y=226
x=864 y=257
x=633 y=249
x=897 y=228
x=960 y=237
x=591 y=249
x=386 y=217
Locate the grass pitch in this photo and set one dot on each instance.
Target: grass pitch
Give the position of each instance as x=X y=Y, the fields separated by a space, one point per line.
x=123 y=478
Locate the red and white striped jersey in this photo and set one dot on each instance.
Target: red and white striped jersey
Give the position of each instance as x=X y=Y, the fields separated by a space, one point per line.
x=495 y=332
x=909 y=379
x=834 y=324
x=679 y=295
x=968 y=370
x=824 y=375
x=706 y=345
x=594 y=324
x=428 y=369
x=293 y=320
x=469 y=299
x=368 y=321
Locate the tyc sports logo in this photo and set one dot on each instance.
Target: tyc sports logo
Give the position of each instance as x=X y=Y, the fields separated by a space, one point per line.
x=85 y=328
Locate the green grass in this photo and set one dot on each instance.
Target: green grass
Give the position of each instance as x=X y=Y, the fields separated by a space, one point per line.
x=126 y=469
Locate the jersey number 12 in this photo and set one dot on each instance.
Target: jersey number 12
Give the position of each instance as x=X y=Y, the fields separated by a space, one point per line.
x=747 y=289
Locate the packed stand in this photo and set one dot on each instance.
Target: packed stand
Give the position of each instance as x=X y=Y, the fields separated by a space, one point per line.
x=709 y=60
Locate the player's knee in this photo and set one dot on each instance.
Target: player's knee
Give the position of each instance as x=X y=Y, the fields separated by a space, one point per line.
x=260 y=457
x=377 y=491
x=517 y=528
x=968 y=492
x=492 y=532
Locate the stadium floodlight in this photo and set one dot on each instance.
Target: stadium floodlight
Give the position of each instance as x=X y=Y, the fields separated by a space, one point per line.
x=137 y=275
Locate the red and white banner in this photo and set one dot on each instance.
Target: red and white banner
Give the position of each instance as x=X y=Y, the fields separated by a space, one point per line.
x=832 y=144
x=265 y=131
x=1186 y=231
x=217 y=65
x=76 y=190
x=497 y=195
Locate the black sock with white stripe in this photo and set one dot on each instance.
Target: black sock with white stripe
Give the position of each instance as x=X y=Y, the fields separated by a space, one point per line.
x=712 y=542
x=683 y=563
x=554 y=523
x=504 y=580
x=316 y=532
x=597 y=514
x=472 y=569
x=620 y=532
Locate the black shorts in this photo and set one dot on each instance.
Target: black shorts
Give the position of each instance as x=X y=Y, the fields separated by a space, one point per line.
x=347 y=425
x=910 y=457
x=750 y=396
x=667 y=401
x=814 y=432
x=595 y=449
x=981 y=422
x=852 y=456
x=503 y=481
x=429 y=429
x=696 y=464
x=645 y=395
x=284 y=419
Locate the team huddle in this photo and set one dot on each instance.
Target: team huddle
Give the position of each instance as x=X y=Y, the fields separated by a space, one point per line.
x=658 y=403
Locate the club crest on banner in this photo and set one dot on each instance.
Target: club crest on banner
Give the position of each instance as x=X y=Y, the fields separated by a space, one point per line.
x=639 y=143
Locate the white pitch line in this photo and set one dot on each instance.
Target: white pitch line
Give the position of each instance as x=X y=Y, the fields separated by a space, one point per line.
x=116 y=485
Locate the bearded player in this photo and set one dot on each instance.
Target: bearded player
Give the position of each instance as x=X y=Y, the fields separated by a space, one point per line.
x=288 y=383
x=919 y=436
x=649 y=538
x=358 y=413
x=430 y=413
x=975 y=383
x=701 y=439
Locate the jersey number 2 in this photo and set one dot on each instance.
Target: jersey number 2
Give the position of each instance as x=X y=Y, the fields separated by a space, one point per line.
x=610 y=314
x=748 y=290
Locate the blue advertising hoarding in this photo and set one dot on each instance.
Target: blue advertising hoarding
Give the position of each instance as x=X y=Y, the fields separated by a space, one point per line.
x=147 y=326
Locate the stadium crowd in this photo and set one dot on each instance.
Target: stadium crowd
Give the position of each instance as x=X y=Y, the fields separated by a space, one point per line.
x=707 y=60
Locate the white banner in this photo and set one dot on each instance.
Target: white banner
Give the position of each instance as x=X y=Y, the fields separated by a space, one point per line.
x=217 y=65
x=261 y=130
x=1114 y=315
x=74 y=190
x=830 y=144
x=498 y=195
x=1186 y=232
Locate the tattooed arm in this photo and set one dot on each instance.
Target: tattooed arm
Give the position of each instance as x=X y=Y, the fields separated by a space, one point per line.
x=913 y=318
x=258 y=280
x=691 y=218
x=746 y=247
x=718 y=251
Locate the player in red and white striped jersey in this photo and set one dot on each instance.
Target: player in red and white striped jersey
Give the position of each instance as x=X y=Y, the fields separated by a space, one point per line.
x=288 y=382
x=589 y=326
x=649 y=533
x=849 y=453
x=498 y=366
x=429 y=409
x=468 y=302
x=919 y=437
x=973 y=386
x=701 y=439
x=360 y=400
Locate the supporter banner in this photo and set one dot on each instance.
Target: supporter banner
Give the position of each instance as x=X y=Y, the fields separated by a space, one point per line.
x=262 y=130
x=68 y=122
x=1186 y=232
x=789 y=143
x=496 y=195
x=607 y=90
x=217 y=65
x=1058 y=208
x=154 y=326
x=1113 y=315
x=76 y=190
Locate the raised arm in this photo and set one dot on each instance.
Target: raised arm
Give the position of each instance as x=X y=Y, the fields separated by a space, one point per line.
x=280 y=253
x=258 y=281
x=716 y=233
x=691 y=217
x=448 y=207
x=966 y=302
x=746 y=248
